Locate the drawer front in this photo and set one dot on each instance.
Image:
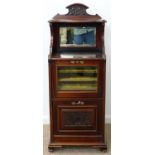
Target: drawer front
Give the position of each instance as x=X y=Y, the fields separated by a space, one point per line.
x=77 y=78
x=77 y=117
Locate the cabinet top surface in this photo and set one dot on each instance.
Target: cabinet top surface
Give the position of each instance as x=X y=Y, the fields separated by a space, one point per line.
x=85 y=56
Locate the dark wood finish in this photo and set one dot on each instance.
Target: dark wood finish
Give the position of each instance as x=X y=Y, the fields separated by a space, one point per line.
x=77 y=118
x=89 y=116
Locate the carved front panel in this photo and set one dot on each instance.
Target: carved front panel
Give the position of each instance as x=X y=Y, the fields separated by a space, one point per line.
x=78 y=118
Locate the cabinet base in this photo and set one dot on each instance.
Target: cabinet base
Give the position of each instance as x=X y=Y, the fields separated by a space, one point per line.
x=101 y=146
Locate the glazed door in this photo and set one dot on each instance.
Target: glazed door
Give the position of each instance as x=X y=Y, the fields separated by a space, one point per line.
x=78 y=78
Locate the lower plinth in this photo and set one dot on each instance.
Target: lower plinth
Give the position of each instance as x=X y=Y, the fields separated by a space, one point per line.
x=101 y=146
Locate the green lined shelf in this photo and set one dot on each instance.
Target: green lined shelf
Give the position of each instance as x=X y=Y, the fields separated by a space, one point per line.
x=78 y=79
x=77 y=71
x=77 y=87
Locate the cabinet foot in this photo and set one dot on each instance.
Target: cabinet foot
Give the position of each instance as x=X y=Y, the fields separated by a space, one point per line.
x=101 y=148
x=51 y=149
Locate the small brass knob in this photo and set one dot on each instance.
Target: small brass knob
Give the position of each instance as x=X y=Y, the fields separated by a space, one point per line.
x=76 y=62
x=73 y=103
x=81 y=62
x=72 y=62
x=82 y=103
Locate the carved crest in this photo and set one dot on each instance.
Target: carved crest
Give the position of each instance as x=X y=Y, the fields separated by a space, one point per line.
x=77 y=9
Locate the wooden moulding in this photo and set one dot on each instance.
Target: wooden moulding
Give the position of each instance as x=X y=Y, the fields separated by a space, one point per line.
x=101 y=146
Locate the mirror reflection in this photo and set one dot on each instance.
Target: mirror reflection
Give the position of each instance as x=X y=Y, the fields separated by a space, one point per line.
x=77 y=36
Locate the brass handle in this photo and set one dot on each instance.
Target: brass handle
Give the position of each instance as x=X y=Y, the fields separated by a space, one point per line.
x=78 y=103
x=73 y=103
x=72 y=62
x=82 y=103
x=81 y=62
x=77 y=62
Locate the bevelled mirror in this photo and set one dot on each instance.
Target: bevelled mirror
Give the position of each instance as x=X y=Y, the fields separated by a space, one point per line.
x=77 y=36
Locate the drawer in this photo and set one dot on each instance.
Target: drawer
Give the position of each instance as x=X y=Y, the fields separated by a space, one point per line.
x=77 y=78
x=77 y=116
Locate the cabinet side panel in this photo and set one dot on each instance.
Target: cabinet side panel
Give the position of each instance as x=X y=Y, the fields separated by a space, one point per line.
x=104 y=97
x=50 y=100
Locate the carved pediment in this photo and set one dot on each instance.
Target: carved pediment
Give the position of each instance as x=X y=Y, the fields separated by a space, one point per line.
x=77 y=9
x=77 y=14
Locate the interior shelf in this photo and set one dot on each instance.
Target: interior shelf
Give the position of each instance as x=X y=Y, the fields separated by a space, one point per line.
x=77 y=78
x=77 y=71
x=77 y=87
x=68 y=79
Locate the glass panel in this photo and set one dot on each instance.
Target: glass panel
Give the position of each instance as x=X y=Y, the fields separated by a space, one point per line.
x=77 y=78
x=77 y=36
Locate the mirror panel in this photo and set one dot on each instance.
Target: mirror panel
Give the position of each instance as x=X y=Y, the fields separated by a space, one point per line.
x=77 y=36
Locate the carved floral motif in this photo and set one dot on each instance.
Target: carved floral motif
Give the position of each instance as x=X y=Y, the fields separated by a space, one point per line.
x=77 y=10
x=77 y=119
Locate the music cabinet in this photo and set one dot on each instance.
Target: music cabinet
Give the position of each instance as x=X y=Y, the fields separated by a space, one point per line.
x=77 y=71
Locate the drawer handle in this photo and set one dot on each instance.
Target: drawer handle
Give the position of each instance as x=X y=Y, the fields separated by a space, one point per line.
x=78 y=103
x=81 y=62
x=82 y=103
x=72 y=62
x=76 y=62
x=73 y=103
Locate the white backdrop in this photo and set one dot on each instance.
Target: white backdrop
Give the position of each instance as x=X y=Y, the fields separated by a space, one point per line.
x=51 y=8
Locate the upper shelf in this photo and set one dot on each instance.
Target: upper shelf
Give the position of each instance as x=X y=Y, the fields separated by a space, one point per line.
x=76 y=14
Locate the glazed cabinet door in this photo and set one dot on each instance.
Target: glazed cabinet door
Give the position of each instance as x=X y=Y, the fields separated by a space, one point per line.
x=77 y=117
x=77 y=78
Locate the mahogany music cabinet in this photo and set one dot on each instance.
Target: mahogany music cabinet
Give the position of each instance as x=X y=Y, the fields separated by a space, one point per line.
x=77 y=71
